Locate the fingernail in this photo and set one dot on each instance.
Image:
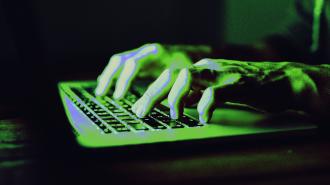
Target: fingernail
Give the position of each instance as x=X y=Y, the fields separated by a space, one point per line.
x=98 y=91
x=173 y=114
x=139 y=112
x=117 y=95
x=134 y=107
x=202 y=120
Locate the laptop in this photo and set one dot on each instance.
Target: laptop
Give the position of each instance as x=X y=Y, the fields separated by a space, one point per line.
x=100 y=122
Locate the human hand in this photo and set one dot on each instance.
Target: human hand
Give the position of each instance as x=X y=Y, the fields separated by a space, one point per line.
x=148 y=61
x=271 y=86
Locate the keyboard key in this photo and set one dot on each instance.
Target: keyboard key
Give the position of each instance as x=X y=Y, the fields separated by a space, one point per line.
x=190 y=122
x=132 y=121
x=121 y=114
x=138 y=126
x=97 y=122
x=117 y=125
x=164 y=109
x=126 y=118
x=120 y=102
x=122 y=129
x=153 y=123
x=102 y=126
x=158 y=119
x=103 y=113
x=154 y=114
x=117 y=111
x=163 y=118
x=173 y=123
x=126 y=106
x=111 y=120
x=111 y=108
x=130 y=110
x=99 y=110
x=90 y=90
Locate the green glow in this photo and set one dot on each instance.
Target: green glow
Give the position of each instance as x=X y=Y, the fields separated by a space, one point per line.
x=228 y=79
x=301 y=82
x=316 y=24
x=91 y=136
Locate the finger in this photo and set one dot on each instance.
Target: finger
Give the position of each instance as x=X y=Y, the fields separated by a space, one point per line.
x=154 y=93
x=179 y=90
x=135 y=105
x=125 y=78
x=104 y=81
x=206 y=104
x=144 y=53
x=148 y=50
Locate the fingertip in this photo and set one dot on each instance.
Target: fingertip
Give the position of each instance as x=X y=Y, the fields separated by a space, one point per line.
x=206 y=100
x=135 y=105
x=140 y=112
x=121 y=89
x=203 y=119
x=98 y=91
x=118 y=94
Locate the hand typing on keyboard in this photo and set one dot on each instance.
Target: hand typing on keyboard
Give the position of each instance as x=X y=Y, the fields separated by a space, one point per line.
x=209 y=83
x=148 y=61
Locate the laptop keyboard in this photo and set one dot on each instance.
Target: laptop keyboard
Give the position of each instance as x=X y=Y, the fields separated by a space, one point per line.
x=116 y=116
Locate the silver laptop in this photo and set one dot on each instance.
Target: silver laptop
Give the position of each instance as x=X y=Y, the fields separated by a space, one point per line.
x=105 y=122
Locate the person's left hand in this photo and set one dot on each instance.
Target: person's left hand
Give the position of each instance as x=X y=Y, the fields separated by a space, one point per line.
x=212 y=82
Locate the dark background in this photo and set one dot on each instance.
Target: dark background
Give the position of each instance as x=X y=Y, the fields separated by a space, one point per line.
x=46 y=41
x=71 y=39
x=63 y=38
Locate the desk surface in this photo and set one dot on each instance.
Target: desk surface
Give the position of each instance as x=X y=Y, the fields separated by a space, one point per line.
x=22 y=161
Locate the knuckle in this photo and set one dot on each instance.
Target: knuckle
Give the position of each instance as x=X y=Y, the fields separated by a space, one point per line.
x=205 y=62
x=156 y=45
x=185 y=73
x=131 y=62
x=158 y=48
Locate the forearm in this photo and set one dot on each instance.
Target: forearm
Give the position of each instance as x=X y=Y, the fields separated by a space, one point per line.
x=321 y=76
x=310 y=85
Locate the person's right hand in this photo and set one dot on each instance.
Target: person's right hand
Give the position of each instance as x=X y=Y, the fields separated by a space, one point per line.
x=148 y=61
x=210 y=83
